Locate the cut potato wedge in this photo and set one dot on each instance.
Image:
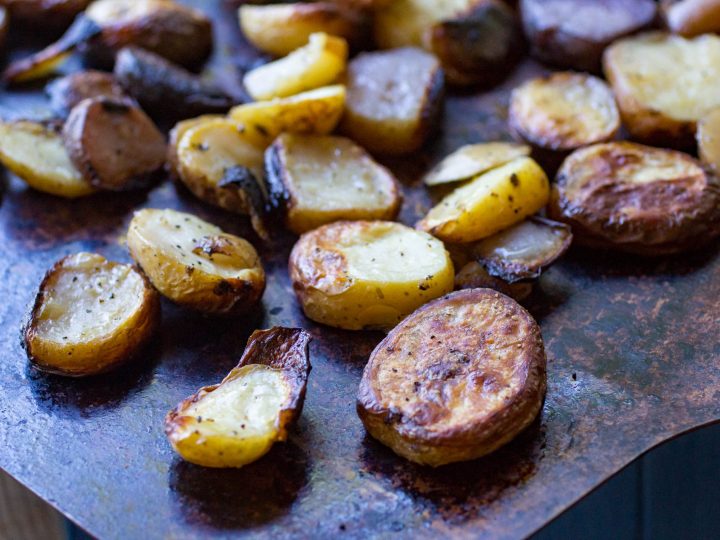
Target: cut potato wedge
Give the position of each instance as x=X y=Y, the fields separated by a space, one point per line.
x=691 y=17
x=394 y=100
x=196 y=264
x=574 y=33
x=236 y=422
x=314 y=180
x=637 y=199
x=367 y=274
x=279 y=29
x=457 y=379
x=35 y=153
x=708 y=140
x=316 y=64
x=90 y=315
x=564 y=111
x=68 y=91
x=176 y=133
x=316 y=112
x=661 y=100
x=473 y=159
x=489 y=203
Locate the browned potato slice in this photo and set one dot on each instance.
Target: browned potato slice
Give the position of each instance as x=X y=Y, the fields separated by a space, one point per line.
x=46 y=13
x=90 y=315
x=457 y=379
x=574 y=33
x=176 y=133
x=68 y=91
x=473 y=159
x=564 y=111
x=661 y=100
x=473 y=275
x=237 y=421
x=708 y=140
x=279 y=29
x=114 y=144
x=691 y=17
x=637 y=199
x=194 y=263
x=165 y=89
x=394 y=99
x=314 y=180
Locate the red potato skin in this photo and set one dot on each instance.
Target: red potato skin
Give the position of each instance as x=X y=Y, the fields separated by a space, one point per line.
x=68 y=91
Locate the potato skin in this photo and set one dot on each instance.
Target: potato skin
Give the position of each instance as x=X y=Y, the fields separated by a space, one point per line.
x=44 y=13
x=447 y=348
x=659 y=217
x=68 y=91
x=96 y=356
x=691 y=17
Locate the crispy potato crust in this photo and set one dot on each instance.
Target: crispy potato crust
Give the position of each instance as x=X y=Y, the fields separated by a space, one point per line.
x=457 y=379
x=637 y=199
x=68 y=91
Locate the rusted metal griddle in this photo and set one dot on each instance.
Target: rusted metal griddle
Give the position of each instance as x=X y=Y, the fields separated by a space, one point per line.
x=633 y=348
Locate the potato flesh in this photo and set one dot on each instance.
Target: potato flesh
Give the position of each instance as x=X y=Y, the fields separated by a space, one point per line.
x=119 y=12
x=708 y=139
x=474 y=159
x=319 y=63
x=489 y=203
x=524 y=243
x=315 y=112
x=37 y=155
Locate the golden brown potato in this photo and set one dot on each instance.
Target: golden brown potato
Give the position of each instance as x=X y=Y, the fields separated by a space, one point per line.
x=196 y=264
x=394 y=99
x=367 y=274
x=35 y=153
x=316 y=112
x=68 y=91
x=176 y=133
x=319 y=63
x=473 y=159
x=456 y=380
x=314 y=180
x=574 y=33
x=114 y=144
x=691 y=17
x=279 y=29
x=637 y=199
x=237 y=421
x=708 y=140
x=45 y=13
x=90 y=315
x=564 y=111
x=489 y=203
x=660 y=100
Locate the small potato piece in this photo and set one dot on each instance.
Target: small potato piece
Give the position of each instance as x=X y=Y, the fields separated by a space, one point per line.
x=367 y=274
x=394 y=100
x=237 y=421
x=473 y=159
x=316 y=112
x=90 y=315
x=68 y=91
x=314 y=180
x=279 y=29
x=708 y=140
x=661 y=100
x=489 y=203
x=457 y=379
x=564 y=111
x=691 y=17
x=35 y=153
x=316 y=64
x=574 y=33
x=176 y=133
x=196 y=264
x=114 y=144
x=637 y=199
x=473 y=275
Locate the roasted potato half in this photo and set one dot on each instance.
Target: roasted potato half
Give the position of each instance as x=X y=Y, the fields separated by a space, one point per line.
x=473 y=159
x=68 y=91
x=236 y=422
x=637 y=199
x=457 y=379
x=394 y=99
x=316 y=112
x=90 y=315
x=574 y=33
x=564 y=111
x=316 y=64
x=196 y=264
x=708 y=140
x=314 y=180
x=661 y=101
x=176 y=133
x=489 y=203
x=35 y=153
x=114 y=144
x=691 y=17
x=279 y=29
x=367 y=274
